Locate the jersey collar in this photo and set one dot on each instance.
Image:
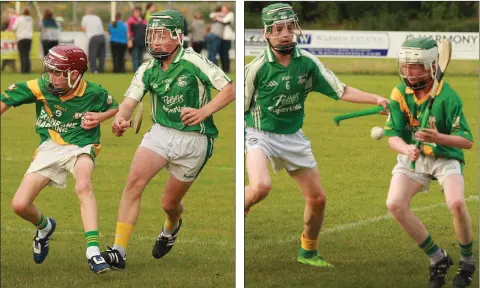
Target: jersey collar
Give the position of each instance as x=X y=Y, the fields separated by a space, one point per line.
x=418 y=102
x=179 y=55
x=77 y=93
x=271 y=57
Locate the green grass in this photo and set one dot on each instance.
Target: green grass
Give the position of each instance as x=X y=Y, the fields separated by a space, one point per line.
x=368 y=248
x=386 y=66
x=202 y=257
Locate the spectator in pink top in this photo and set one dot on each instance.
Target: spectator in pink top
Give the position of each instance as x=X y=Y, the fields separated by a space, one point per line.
x=7 y=24
x=12 y=15
x=137 y=26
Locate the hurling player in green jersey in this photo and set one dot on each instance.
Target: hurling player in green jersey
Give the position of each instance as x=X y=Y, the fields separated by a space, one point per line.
x=277 y=83
x=439 y=157
x=181 y=138
x=69 y=112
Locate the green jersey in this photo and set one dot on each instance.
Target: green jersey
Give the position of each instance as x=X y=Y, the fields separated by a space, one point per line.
x=186 y=83
x=59 y=118
x=275 y=95
x=405 y=119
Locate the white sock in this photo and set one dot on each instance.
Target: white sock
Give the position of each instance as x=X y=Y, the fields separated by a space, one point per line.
x=92 y=251
x=470 y=260
x=167 y=232
x=436 y=257
x=43 y=233
x=120 y=249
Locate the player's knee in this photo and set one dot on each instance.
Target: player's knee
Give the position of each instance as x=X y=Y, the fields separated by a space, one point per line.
x=318 y=201
x=19 y=207
x=83 y=188
x=261 y=189
x=457 y=207
x=136 y=182
x=169 y=206
x=396 y=209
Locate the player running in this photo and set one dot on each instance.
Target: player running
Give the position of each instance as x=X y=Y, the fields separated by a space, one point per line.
x=439 y=157
x=181 y=138
x=277 y=83
x=69 y=113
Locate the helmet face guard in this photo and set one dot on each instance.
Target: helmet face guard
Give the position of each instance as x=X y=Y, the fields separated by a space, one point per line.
x=280 y=22
x=162 y=28
x=417 y=56
x=61 y=61
x=416 y=82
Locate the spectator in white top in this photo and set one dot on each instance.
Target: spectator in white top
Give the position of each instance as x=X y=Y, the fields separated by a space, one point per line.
x=48 y=31
x=93 y=26
x=23 y=28
x=228 y=35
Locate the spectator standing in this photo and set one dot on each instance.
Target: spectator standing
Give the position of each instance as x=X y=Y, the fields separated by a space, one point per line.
x=23 y=28
x=228 y=36
x=136 y=36
x=93 y=26
x=48 y=31
x=214 y=38
x=197 y=32
x=118 y=43
x=7 y=23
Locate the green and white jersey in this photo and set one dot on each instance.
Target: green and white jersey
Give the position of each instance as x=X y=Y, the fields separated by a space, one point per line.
x=186 y=83
x=275 y=95
x=405 y=118
x=59 y=118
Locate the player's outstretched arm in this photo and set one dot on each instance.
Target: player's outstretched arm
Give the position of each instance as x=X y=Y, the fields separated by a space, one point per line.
x=354 y=95
x=192 y=116
x=3 y=107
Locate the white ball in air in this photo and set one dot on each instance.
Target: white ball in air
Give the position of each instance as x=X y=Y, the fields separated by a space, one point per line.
x=376 y=133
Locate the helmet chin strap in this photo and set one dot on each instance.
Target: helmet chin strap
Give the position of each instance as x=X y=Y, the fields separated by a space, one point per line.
x=61 y=92
x=284 y=49
x=165 y=55
x=418 y=86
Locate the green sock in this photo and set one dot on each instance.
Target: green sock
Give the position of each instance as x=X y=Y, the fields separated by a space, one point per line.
x=306 y=254
x=434 y=253
x=42 y=223
x=92 y=238
x=466 y=250
x=429 y=246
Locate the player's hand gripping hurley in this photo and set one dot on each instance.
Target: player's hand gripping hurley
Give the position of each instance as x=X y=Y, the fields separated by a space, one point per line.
x=443 y=60
x=365 y=112
x=136 y=122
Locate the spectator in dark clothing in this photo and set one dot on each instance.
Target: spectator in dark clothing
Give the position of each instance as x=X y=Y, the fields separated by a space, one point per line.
x=48 y=31
x=118 y=43
x=136 y=35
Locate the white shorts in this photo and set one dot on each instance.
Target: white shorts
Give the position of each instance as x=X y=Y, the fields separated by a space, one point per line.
x=427 y=168
x=53 y=160
x=289 y=151
x=186 y=152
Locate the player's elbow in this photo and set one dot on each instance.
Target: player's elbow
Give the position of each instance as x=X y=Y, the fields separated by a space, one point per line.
x=229 y=91
x=392 y=141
